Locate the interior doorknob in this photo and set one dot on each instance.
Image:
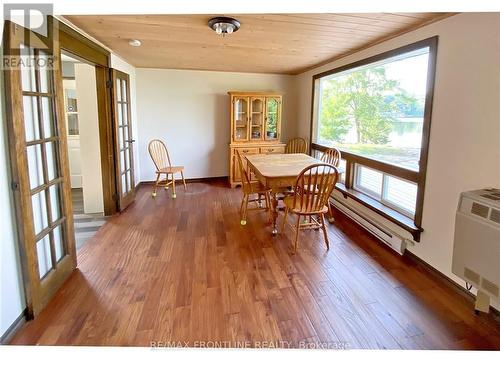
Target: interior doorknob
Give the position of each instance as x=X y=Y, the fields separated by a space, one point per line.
x=130 y=140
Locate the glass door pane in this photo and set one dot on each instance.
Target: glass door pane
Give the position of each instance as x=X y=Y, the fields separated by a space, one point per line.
x=71 y=107
x=257 y=118
x=272 y=118
x=43 y=168
x=44 y=257
x=124 y=141
x=241 y=119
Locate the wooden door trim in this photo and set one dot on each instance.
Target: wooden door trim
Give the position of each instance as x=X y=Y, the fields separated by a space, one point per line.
x=82 y=46
x=107 y=141
x=19 y=183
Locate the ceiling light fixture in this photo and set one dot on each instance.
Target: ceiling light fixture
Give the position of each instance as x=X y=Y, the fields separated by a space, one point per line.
x=224 y=25
x=135 y=42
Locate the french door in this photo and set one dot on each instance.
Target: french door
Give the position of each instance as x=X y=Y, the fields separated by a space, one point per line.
x=39 y=162
x=123 y=139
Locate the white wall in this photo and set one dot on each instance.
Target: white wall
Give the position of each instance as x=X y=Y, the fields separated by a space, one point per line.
x=464 y=149
x=189 y=110
x=12 y=302
x=120 y=64
x=90 y=151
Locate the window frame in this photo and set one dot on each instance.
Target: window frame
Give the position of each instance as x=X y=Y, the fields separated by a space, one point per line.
x=362 y=189
x=417 y=177
x=382 y=197
x=391 y=204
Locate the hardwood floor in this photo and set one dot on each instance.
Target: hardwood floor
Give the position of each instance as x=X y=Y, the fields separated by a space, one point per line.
x=184 y=272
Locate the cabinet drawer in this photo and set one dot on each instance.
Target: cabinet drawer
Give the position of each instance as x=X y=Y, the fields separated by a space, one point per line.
x=247 y=150
x=272 y=150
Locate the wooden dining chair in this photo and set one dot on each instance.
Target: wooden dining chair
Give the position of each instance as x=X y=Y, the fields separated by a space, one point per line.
x=250 y=187
x=161 y=159
x=311 y=202
x=296 y=146
x=331 y=156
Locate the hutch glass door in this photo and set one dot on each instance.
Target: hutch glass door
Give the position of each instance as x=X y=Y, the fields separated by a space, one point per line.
x=272 y=118
x=240 y=113
x=257 y=118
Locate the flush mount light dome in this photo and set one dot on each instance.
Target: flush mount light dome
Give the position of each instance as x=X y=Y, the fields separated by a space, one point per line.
x=224 y=25
x=135 y=42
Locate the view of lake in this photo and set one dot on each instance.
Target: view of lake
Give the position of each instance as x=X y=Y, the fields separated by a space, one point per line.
x=403 y=148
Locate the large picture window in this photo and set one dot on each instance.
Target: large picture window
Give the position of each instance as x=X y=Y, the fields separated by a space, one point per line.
x=377 y=112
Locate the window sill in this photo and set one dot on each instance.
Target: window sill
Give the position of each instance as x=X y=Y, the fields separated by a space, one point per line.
x=392 y=215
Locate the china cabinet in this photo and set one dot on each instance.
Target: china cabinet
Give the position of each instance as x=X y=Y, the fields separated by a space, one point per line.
x=255 y=121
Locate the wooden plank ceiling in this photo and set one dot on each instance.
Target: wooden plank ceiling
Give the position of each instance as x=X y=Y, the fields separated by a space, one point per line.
x=266 y=43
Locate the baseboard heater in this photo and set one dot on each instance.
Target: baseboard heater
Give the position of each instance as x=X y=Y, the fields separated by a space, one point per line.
x=387 y=236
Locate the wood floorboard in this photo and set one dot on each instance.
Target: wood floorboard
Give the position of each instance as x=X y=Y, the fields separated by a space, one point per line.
x=184 y=272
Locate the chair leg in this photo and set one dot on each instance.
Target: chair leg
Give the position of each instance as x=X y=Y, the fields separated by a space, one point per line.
x=284 y=220
x=269 y=206
x=183 y=180
x=241 y=206
x=243 y=220
x=155 y=186
x=297 y=228
x=174 y=195
x=322 y=218
x=331 y=219
x=166 y=182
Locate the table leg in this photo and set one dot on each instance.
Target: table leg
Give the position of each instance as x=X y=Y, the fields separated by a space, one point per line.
x=274 y=211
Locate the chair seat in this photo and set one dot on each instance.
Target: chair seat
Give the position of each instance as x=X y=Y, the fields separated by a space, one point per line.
x=288 y=201
x=171 y=169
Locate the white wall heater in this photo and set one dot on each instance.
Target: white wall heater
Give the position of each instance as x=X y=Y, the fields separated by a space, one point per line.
x=386 y=235
x=476 y=249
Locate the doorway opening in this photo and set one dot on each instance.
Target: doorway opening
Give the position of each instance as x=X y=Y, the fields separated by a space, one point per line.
x=82 y=127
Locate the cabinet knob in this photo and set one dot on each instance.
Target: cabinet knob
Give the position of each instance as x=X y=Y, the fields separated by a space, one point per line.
x=245 y=151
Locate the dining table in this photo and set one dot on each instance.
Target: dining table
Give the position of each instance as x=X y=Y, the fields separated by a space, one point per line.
x=278 y=172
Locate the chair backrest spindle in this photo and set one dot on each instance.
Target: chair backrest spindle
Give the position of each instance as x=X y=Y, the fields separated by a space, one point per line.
x=296 y=146
x=245 y=178
x=314 y=186
x=331 y=156
x=159 y=153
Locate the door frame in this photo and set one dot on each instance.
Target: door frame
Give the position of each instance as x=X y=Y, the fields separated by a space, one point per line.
x=75 y=43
